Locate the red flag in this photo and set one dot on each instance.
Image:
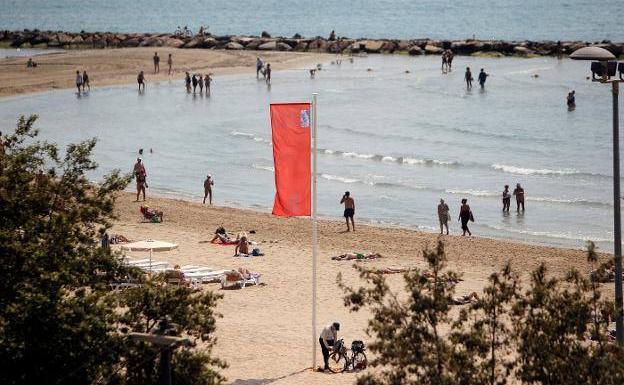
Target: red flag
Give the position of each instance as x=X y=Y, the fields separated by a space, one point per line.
x=290 y=124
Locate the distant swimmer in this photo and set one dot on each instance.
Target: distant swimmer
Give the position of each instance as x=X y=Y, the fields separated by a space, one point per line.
x=187 y=82
x=349 y=210
x=208 y=183
x=519 y=193
x=468 y=78
x=571 y=100
x=156 y=59
x=170 y=63
x=482 y=78
x=78 y=81
x=443 y=216
x=141 y=80
x=506 y=199
x=465 y=216
x=312 y=73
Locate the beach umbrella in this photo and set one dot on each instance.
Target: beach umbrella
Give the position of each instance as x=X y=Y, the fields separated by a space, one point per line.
x=151 y=246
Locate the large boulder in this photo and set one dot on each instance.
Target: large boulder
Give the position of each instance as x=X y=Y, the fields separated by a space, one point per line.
x=152 y=42
x=301 y=46
x=77 y=40
x=389 y=46
x=372 y=46
x=415 y=50
x=318 y=45
x=234 y=46
x=268 y=46
x=173 y=42
x=243 y=40
x=63 y=38
x=281 y=46
x=403 y=45
x=522 y=51
x=433 y=50
x=255 y=43
x=131 y=42
x=195 y=42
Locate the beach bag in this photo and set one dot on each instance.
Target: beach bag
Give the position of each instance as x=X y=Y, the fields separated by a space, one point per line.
x=256 y=252
x=357 y=346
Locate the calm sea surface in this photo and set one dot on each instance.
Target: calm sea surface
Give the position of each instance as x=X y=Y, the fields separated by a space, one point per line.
x=445 y=19
x=398 y=141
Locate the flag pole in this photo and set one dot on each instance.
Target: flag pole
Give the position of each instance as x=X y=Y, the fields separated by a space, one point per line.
x=314 y=230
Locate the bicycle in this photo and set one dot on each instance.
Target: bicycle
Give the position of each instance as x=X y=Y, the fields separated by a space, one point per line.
x=340 y=360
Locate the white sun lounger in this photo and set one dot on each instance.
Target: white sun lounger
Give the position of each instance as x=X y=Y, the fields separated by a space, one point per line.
x=153 y=264
x=206 y=276
x=241 y=281
x=133 y=262
x=198 y=269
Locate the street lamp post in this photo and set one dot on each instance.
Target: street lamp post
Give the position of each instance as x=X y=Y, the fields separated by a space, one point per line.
x=604 y=67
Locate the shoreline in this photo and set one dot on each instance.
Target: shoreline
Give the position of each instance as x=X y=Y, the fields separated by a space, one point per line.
x=119 y=66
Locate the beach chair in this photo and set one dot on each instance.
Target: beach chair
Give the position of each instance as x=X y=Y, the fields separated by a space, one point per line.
x=234 y=278
x=206 y=276
x=134 y=262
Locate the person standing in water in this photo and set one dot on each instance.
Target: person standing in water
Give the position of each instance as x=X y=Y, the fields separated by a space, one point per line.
x=571 y=100
x=449 y=60
x=443 y=216
x=506 y=199
x=85 y=81
x=482 y=77
x=519 y=193
x=140 y=174
x=141 y=80
x=207 y=81
x=200 y=83
x=156 y=59
x=349 y=210
x=187 y=82
x=259 y=67
x=170 y=64
x=78 y=81
x=468 y=78
x=194 y=80
x=208 y=183
x=267 y=72
x=465 y=215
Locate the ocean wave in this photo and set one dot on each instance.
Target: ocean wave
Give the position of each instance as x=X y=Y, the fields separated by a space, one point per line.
x=264 y=168
x=340 y=178
x=475 y=193
x=532 y=171
x=388 y=158
x=549 y=234
x=570 y=201
x=253 y=137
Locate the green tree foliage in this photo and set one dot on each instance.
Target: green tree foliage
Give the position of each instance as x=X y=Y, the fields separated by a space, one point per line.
x=59 y=321
x=553 y=333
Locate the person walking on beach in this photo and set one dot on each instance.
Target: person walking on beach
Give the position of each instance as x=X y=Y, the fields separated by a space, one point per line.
x=267 y=73
x=200 y=83
x=85 y=81
x=571 y=100
x=349 y=210
x=259 y=67
x=187 y=82
x=506 y=198
x=465 y=215
x=519 y=193
x=156 y=63
x=449 y=60
x=208 y=183
x=207 y=81
x=78 y=81
x=170 y=63
x=444 y=62
x=468 y=78
x=140 y=175
x=443 y=216
x=482 y=77
x=329 y=335
x=141 y=80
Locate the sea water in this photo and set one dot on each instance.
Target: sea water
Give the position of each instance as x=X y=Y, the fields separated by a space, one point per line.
x=397 y=141
x=442 y=19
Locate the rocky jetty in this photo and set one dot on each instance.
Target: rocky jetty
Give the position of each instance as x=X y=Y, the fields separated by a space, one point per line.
x=493 y=48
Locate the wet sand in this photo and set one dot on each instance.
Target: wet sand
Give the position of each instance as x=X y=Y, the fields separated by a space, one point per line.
x=265 y=333
x=121 y=66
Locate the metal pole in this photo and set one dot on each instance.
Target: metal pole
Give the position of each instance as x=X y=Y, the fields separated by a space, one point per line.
x=314 y=230
x=617 y=226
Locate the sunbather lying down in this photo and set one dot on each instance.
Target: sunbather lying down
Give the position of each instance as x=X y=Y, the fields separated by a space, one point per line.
x=604 y=273
x=118 y=238
x=431 y=277
x=466 y=299
x=246 y=273
x=356 y=256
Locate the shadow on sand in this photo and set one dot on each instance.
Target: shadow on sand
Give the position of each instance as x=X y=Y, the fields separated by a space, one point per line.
x=265 y=381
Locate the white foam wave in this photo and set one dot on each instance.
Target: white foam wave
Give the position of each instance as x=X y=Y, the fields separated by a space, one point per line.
x=532 y=171
x=476 y=193
x=548 y=234
x=265 y=168
x=356 y=155
x=339 y=178
x=251 y=136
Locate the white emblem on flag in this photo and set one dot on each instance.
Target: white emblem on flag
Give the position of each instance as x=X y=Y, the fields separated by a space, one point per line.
x=304 y=119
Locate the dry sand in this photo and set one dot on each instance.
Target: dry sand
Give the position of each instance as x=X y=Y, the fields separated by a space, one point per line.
x=265 y=333
x=121 y=66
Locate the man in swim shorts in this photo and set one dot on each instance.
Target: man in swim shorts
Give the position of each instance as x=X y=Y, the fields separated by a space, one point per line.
x=349 y=211
x=208 y=183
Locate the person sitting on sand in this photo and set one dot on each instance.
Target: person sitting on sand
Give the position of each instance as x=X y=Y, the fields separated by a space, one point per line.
x=141 y=80
x=466 y=299
x=221 y=236
x=242 y=247
x=78 y=81
x=443 y=216
x=358 y=256
x=349 y=210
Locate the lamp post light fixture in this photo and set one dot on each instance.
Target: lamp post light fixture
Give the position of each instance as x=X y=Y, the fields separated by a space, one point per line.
x=603 y=68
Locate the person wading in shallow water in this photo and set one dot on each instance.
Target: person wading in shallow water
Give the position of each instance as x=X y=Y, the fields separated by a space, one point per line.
x=465 y=215
x=208 y=183
x=349 y=210
x=468 y=78
x=443 y=216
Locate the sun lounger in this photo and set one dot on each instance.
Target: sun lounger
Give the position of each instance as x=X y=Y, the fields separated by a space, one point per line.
x=134 y=262
x=234 y=278
x=154 y=264
x=198 y=269
x=206 y=276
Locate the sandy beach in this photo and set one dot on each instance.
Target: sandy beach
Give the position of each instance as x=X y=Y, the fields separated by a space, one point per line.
x=264 y=334
x=121 y=66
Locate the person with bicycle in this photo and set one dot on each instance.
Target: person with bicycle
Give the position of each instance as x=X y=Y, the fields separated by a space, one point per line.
x=329 y=335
